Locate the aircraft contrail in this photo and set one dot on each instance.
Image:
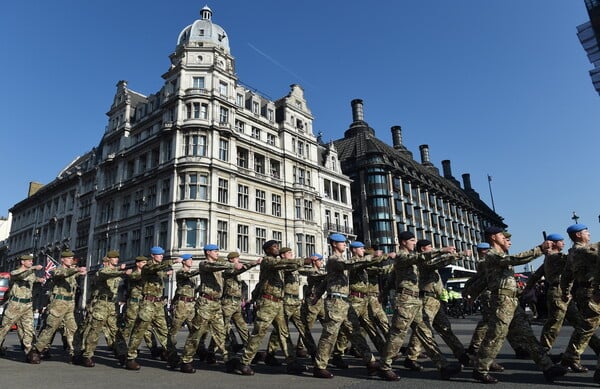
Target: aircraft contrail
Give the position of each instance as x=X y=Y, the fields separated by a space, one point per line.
x=275 y=62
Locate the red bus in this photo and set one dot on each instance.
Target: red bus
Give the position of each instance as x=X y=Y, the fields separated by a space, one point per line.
x=4 y=281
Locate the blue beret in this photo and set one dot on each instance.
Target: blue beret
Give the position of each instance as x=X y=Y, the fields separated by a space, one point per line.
x=317 y=255
x=356 y=244
x=576 y=228
x=493 y=230
x=186 y=256
x=555 y=237
x=337 y=238
x=210 y=247
x=157 y=250
x=483 y=246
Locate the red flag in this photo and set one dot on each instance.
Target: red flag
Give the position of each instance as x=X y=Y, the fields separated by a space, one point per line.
x=50 y=265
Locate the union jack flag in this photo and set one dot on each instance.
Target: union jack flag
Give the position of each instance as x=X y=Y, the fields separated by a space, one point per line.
x=50 y=265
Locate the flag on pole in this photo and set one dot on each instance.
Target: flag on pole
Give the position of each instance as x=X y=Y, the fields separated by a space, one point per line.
x=50 y=265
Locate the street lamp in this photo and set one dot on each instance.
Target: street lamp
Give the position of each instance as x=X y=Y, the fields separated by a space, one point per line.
x=575 y=218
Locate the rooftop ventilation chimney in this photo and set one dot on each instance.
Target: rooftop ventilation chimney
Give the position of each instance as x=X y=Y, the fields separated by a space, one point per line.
x=357 y=110
x=397 y=137
x=425 y=155
x=467 y=181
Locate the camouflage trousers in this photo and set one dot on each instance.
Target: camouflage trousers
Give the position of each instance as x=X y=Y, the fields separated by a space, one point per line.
x=103 y=317
x=310 y=313
x=558 y=311
x=378 y=315
x=408 y=313
x=292 y=312
x=183 y=312
x=583 y=331
x=208 y=318
x=268 y=312
x=60 y=312
x=150 y=314
x=232 y=313
x=131 y=313
x=340 y=316
x=367 y=321
x=433 y=315
x=20 y=314
x=508 y=319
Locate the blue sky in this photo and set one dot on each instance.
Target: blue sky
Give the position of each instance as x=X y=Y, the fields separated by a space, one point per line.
x=499 y=88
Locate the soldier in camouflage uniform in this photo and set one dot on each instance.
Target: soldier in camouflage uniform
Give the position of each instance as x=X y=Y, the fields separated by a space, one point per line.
x=231 y=303
x=431 y=286
x=209 y=314
x=102 y=312
x=499 y=275
x=184 y=299
x=338 y=311
x=134 y=298
x=558 y=310
x=270 y=307
x=20 y=309
x=378 y=322
x=309 y=312
x=291 y=311
x=582 y=273
x=408 y=310
x=151 y=311
x=61 y=309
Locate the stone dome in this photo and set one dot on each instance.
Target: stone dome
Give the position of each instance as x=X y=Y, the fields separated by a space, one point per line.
x=205 y=31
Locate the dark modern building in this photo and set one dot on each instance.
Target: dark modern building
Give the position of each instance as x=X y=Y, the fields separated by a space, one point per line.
x=391 y=193
x=589 y=36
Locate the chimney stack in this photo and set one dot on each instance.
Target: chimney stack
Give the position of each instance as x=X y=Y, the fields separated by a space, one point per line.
x=447 y=169
x=397 y=137
x=425 y=155
x=357 y=110
x=467 y=181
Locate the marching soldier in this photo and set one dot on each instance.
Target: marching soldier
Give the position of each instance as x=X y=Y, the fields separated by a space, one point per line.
x=20 y=310
x=291 y=311
x=134 y=298
x=309 y=312
x=61 y=310
x=270 y=308
x=184 y=299
x=431 y=286
x=103 y=310
x=231 y=303
x=151 y=311
x=582 y=273
x=409 y=309
x=209 y=314
x=499 y=275
x=552 y=269
x=338 y=312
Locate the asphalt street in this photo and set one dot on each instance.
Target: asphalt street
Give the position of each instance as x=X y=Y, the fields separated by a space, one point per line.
x=58 y=373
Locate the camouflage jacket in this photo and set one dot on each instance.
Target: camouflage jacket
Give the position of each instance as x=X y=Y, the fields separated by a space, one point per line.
x=134 y=285
x=22 y=282
x=337 y=280
x=232 y=284
x=271 y=279
x=500 y=274
x=314 y=278
x=551 y=270
x=186 y=285
x=407 y=265
x=107 y=283
x=582 y=267
x=211 y=277
x=153 y=277
x=65 y=281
